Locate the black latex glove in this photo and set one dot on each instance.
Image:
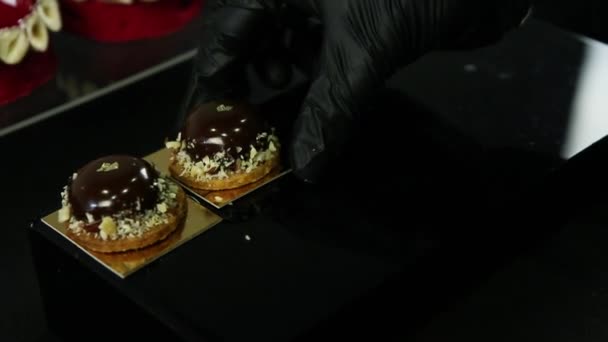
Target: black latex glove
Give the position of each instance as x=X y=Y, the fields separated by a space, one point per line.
x=360 y=44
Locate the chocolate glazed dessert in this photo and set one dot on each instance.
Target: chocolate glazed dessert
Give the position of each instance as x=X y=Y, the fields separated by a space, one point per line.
x=118 y=203
x=111 y=185
x=223 y=145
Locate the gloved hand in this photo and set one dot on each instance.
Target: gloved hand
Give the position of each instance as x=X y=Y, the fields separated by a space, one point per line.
x=360 y=44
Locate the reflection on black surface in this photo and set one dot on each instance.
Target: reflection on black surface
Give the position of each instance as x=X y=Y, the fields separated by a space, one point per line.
x=538 y=90
x=420 y=167
x=586 y=17
x=453 y=213
x=88 y=67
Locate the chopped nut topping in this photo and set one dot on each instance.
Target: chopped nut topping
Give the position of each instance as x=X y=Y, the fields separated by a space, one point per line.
x=107 y=226
x=64 y=214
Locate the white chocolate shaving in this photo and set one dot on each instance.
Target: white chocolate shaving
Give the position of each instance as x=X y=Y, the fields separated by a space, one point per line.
x=90 y=218
x=218 y=167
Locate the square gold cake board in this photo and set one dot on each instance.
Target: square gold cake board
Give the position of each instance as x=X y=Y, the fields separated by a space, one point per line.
x=217 y=199
x=198 y=220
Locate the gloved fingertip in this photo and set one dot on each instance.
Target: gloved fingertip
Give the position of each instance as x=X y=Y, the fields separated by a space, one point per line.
x=311 y=173
x=308 y=160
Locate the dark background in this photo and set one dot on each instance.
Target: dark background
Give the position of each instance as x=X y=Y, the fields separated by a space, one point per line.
x=587 y=17
x=21 y=315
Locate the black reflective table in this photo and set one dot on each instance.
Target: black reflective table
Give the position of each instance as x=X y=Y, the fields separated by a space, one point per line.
x=494 y=142
x=556 y=291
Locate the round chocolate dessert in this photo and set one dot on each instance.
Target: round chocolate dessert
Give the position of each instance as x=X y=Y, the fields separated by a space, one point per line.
x=119 y=202
x=223 y=145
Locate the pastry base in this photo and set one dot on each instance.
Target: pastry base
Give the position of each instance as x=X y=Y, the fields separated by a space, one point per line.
x=122 y=260
x=155 y=234
x=233 y=181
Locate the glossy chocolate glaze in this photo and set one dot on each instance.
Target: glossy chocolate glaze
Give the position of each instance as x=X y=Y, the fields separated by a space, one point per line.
x=223 y=126
x=103 y=193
